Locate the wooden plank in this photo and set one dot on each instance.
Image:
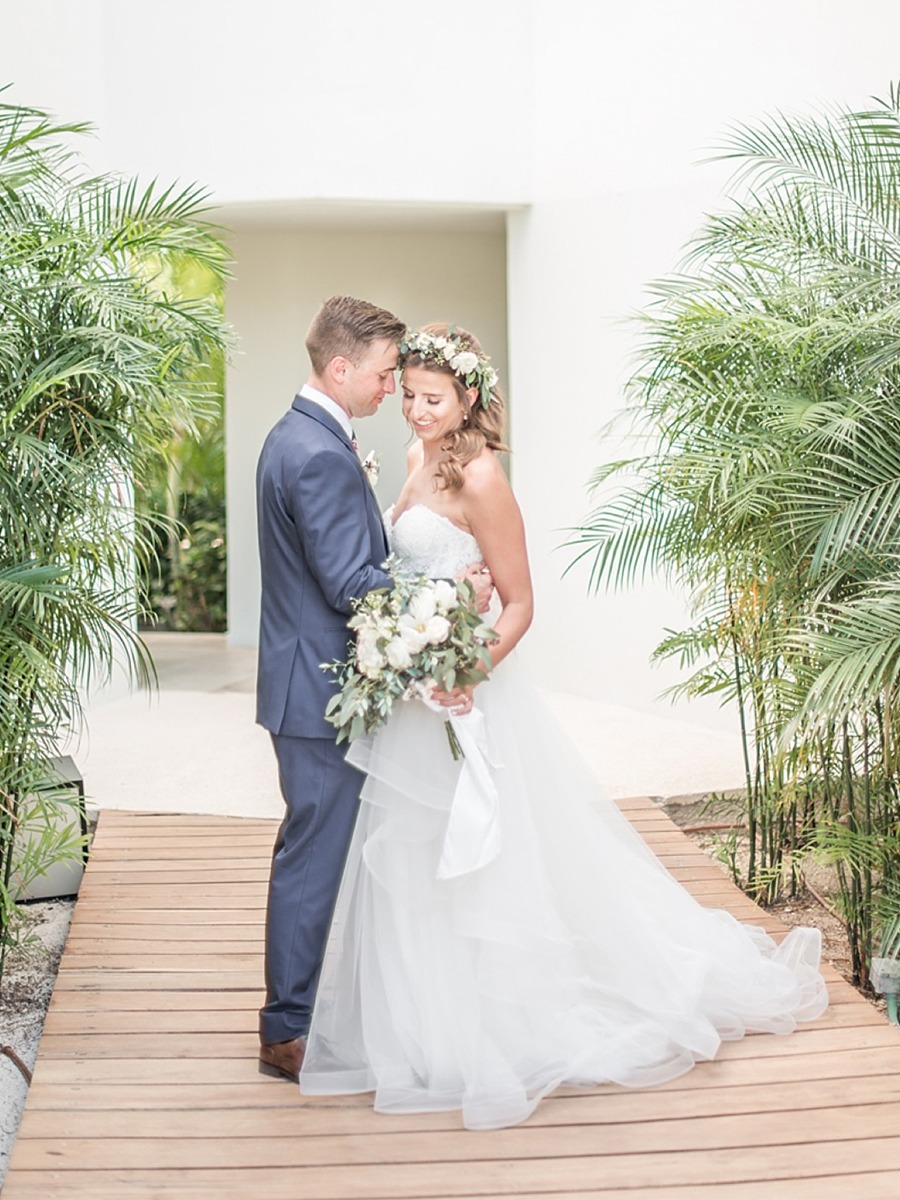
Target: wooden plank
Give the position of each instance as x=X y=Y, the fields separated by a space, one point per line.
x=136 y=822
x=501 y=1175
x=721 y=1072
x=90 y=913
x=567 y=1106
x=70 y=979
x=368 y=1141
x=162 y=1045
x=125 y=891
x=128 y=1001
x=141 y=899
x=150 y=1046
x=107 y=949
x=80 y=1112
x=178 y=838
x=525 y=1146
x=174 y=873
x=173 y=958
x=200 y=1020
x=804 y=1041
x=281 y=1184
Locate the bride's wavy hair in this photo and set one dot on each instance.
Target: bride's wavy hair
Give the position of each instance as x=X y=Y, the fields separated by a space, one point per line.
x=479 y=426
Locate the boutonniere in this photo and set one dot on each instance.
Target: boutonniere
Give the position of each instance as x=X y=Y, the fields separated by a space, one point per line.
x=371 y=467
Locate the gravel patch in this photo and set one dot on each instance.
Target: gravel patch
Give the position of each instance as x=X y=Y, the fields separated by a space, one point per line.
x=25 y=991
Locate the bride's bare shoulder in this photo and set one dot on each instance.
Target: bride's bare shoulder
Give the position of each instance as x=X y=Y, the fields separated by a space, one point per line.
x=484 y=474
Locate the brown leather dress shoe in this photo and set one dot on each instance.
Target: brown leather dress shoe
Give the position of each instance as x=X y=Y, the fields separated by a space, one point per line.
x=282 y=1059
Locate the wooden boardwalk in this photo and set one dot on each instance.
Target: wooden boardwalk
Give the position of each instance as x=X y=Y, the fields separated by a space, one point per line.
x=146 y=1083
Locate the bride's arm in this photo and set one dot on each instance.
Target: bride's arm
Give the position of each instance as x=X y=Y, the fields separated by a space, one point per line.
x=495 y=519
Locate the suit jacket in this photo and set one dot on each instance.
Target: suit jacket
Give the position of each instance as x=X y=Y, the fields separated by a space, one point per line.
x=321 y=543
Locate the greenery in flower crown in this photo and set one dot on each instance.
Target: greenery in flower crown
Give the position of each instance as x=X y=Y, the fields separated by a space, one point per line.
x=445 y=350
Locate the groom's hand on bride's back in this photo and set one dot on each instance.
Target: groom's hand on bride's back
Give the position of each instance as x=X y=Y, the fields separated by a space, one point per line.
x=478 y=575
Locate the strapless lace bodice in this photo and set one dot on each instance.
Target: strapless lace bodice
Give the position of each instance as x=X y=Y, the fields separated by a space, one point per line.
x=430 y=544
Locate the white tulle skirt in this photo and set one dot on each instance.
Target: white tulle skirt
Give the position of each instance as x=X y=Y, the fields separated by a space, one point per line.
x=562 y=951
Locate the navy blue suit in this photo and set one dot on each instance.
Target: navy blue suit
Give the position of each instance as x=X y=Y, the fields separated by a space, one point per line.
x=321 y=543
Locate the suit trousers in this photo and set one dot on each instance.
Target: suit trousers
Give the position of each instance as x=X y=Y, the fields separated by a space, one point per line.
x=321 y=792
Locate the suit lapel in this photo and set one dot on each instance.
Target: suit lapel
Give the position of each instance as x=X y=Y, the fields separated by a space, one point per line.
x=315 y=411
x=310 y=409
x=372 y=501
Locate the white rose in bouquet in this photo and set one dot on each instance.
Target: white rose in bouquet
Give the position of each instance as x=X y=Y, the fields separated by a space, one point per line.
x=398 y=654
x=413 y=633
x=437 y=630
x=423 y=605
x=368 y=656
x=425 y=627
x=446 y=597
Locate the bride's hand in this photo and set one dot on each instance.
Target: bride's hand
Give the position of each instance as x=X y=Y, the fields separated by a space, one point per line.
x=459 y=699
x=480 y=578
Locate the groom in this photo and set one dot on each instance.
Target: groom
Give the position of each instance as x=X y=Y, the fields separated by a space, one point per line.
x=321 y=543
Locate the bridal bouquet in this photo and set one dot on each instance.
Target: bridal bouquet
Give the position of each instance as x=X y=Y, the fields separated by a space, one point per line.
x=423 y=633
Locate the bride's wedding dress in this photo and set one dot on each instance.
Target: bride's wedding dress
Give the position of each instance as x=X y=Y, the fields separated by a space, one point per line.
x=561 y=952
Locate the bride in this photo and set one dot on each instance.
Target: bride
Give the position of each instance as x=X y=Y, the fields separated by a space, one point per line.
x=565 y=953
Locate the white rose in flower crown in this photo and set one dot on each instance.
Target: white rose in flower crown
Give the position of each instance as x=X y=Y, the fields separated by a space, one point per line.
x=398 y=654
x=449 y=351
x=465 y=362
x=440 y=343
x=446 y=596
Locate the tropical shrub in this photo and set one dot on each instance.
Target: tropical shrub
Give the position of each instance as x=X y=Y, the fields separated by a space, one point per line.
x=98 y=364
x=767 y=397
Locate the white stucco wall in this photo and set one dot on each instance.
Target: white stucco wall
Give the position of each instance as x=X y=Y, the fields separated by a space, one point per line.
x=584 y=119
x=627 y=100
x=270 y=99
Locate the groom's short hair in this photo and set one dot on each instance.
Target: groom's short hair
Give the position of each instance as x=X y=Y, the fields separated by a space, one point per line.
x=347 y=327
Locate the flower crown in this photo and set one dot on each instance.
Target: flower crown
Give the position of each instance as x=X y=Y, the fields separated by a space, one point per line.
x=449 y=351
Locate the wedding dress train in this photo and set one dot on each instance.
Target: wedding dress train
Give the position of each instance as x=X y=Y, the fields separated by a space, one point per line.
x=481 y=958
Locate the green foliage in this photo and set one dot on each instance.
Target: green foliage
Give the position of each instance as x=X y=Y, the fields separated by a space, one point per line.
x=98 y=364
x=49 y=821
x=767 y=399
x=183 y=583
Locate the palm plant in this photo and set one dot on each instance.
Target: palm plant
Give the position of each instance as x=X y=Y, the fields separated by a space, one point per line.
x=767 y=398
x=97 y=364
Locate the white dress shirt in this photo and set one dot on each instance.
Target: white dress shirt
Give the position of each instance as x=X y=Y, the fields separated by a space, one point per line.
x=330 y=406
